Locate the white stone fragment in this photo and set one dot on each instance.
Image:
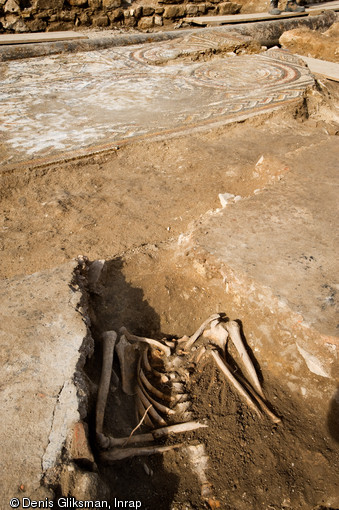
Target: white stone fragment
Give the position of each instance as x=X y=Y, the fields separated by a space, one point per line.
x=226 y=198
x=313 y=364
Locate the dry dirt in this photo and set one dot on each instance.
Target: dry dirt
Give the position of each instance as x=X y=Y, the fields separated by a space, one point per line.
x=127 y=207
x=312 y=43
x=253 y=463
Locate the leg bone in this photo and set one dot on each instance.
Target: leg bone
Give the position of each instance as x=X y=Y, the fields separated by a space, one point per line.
x=109 y=339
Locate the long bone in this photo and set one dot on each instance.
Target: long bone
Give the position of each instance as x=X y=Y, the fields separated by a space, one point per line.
x=244 y=388
x=107 y=442
x=125 y=453
x=109 y=339
x=219 y=333
x=154 y=343
x=128 y=355
x=233 y=329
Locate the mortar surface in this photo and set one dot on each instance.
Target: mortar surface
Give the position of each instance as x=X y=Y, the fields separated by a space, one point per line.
x=94 y=100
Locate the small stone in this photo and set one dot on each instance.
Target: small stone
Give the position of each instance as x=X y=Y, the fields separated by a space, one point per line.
x=48 y=4
x=191 y=9
x=111 y=4
x=170 y=1
x=148 y=11
x=116 y=15
x=159 y=10
x=101 y=21
x=146 y=22
x=95 y=4
x=11 y=6
x=158 y=21
x=78 y=3
x=174 y=11
x=37 y=25
x=229 y=8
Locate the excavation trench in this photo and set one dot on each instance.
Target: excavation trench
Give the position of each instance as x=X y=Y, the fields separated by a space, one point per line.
x=253 y=462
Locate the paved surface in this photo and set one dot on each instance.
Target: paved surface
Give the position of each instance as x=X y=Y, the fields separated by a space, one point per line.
x=60 y=103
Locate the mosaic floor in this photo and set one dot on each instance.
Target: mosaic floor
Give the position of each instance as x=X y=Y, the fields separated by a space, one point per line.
x=93 y=100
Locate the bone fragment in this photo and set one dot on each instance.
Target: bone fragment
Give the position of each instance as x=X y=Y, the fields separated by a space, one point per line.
x=233 y=329
x=110 y=442
x=217 y=333
x=200 y=354
x=230 y=377
x=109 y=339
x=128 y=357
x=124 y=453
x=163 y=377
x=199 y=464
x=200 y=330
x=153 y=413
x=149 y=341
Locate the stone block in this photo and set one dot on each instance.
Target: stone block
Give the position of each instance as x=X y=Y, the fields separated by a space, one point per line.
x=59 y=26
x=37 y=25
x=174 y=11
x=202 y=8
x=171 y=1
x=148 y=11
x=116 y=15
x=146 y=22
x=159 y=10
x=137 y=12
x=48 y=4
x=78 y=3
x=95 y=4
x=158 y=21
x=192 y=9
x=130 y=22
x=67 y=16
x=11 y=6
x=101 y=20
x=111 y=4
x=228 y=8
x=85 y=19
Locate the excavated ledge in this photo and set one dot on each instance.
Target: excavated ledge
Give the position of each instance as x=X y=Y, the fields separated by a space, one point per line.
x=44 y=345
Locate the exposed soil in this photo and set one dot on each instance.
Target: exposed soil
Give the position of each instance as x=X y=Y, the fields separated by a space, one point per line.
x=144 y=193
x=127 y=207
x=312 y=43
x=253 y=463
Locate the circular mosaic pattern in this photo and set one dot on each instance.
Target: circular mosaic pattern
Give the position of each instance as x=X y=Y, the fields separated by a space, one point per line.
x=239 y=74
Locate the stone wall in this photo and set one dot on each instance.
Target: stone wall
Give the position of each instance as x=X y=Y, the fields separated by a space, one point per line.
x=53 y=15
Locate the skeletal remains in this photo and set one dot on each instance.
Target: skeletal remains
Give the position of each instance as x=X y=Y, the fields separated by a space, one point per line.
x=157 y=373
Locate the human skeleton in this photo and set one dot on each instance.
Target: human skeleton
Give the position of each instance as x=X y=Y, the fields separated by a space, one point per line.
x=157 y=373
